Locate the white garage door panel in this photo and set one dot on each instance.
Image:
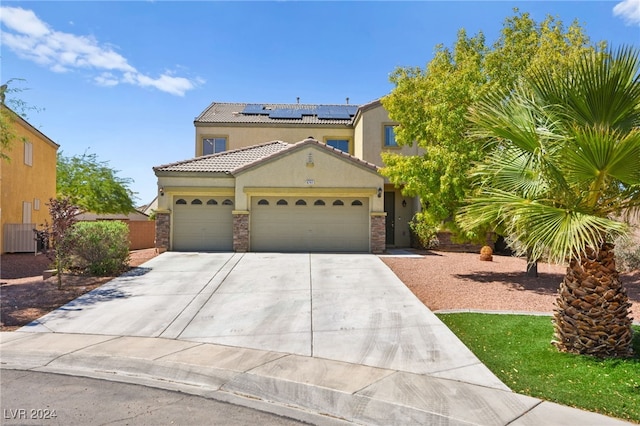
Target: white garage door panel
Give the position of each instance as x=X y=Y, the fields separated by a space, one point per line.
x=311 y=227
x=202 y=227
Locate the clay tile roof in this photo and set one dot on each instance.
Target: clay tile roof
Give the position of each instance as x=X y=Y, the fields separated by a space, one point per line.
x=242 y=159
x=227 y=161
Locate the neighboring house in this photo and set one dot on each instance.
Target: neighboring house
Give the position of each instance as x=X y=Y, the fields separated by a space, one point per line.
x=285 y=177
x=150 y=208
x=27 y=182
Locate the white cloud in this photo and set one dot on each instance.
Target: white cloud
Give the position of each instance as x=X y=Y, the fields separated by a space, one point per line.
x=629 y=11
x=34 y=40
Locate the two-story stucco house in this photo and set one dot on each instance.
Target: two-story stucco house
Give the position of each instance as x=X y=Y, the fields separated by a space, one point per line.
x=285 y=177
x=27 y=182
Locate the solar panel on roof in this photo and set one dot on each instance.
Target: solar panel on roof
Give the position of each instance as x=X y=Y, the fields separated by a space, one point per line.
x=333 y=114
x=254 y=109
x=336 y=112
x=285 y=113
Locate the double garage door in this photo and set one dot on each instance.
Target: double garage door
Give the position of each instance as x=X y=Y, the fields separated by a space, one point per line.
x=203 y=224
x=309 y=224
x=283 y=224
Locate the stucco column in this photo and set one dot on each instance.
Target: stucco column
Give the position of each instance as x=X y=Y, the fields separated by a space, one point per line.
x=240 y=231
x=163 y=231
x=378 y=232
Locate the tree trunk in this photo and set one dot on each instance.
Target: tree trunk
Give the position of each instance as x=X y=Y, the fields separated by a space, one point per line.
x=532 y=266
x=592 y=308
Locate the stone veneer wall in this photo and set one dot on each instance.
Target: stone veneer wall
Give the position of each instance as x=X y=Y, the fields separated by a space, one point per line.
x=163 y=231
x=241 y=232
x=378 y=234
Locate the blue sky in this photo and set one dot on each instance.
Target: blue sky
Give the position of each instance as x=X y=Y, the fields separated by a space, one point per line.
x=125 y=80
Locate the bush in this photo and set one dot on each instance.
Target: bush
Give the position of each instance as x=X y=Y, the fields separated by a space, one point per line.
x=627 y=254
x=100 y=248
x=424 y=234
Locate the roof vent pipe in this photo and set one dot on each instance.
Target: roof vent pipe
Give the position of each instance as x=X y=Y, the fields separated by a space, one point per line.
x=347 y=100
x=298 y=99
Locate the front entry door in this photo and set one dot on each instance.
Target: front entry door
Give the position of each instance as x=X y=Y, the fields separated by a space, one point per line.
x=390 y=209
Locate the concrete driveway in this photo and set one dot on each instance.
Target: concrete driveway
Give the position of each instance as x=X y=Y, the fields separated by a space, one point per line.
x=345 y=307
x=322 y=338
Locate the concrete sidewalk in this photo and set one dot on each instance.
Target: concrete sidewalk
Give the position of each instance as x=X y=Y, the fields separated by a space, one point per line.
x=322 y=338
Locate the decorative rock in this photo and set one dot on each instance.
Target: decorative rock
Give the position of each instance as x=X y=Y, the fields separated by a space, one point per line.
x=486 y=254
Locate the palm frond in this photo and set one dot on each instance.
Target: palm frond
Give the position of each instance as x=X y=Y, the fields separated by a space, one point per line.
x=601 y=89
x=540 y=227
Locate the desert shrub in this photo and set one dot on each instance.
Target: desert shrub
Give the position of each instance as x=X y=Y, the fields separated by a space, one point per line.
x=100 y=248
x=423 y=234
x=627 y=254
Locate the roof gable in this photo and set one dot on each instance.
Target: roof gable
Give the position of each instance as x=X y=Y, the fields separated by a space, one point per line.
x=309 y=142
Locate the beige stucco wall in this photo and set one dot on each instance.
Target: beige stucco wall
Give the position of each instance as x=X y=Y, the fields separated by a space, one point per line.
x=238 y=137
x=20 y=183
x=369 y=136
x=191 y=185
x=290 y=174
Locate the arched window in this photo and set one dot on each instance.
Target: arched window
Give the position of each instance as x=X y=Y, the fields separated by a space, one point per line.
x=181 y=201
x=227 y=202
x=282 y=202
x=263 y=202
x=356 y=203
x=319 y=203
x=196 y=201
x=212 y=202
x=301 y=203
x=338 y=203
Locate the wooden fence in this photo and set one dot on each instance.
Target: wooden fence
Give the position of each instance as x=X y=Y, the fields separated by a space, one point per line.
x=142 y=234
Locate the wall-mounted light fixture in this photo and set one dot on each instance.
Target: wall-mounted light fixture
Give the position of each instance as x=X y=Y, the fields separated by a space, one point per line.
x=162 y=191
x=379 y=192
x=404 y=203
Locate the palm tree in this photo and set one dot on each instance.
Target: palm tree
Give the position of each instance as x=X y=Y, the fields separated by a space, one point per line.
x=563 y=166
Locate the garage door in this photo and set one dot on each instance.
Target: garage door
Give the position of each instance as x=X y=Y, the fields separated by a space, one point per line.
x=202 y=224
x=310 y=224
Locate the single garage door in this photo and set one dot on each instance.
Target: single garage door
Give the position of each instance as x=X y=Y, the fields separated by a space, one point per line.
x=310 y=224
x=202 y=224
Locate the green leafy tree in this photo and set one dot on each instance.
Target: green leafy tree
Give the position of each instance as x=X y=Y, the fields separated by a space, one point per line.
x=92 y=185
x=563 y=168
x=431 y=107
x=10 y=109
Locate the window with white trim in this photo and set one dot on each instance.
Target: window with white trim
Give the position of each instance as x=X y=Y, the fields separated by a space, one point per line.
x=26 y=212
x=28 y=153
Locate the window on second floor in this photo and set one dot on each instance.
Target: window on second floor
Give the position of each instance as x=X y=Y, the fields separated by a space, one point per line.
x=390 y=136
x=28 y=153
x=214 y=145
x=341 y=144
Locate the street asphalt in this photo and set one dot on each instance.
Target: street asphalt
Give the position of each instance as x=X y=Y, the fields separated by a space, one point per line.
x=34 y=398
x=320 y=338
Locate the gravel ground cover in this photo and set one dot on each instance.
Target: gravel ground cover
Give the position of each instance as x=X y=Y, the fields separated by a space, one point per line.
x=26 y=296
x=451 y=281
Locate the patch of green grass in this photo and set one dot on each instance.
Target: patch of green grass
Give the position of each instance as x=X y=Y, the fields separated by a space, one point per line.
x=517 y=348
